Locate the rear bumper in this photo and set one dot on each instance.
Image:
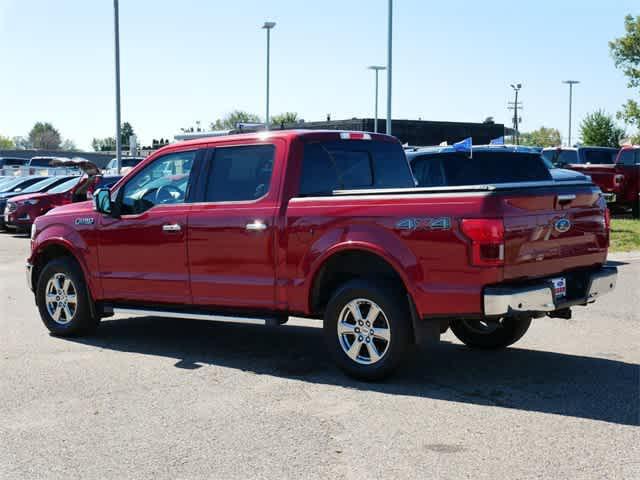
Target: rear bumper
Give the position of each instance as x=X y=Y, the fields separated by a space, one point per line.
x=539 y=297
x=29 y=271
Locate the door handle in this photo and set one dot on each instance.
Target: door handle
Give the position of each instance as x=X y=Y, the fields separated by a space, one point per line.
x=171 y=227
x=256 y=226
x=566 y=198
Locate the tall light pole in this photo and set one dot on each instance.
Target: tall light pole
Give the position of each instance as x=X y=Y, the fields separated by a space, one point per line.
x=571 y=83
x=516 y=88
x=116 y=27
x=389 y=65
x=376 y=68
x=268 y=26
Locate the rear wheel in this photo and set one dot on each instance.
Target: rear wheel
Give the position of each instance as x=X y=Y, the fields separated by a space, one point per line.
x=635 y=208
x=490 y=334
x=367 y=329
x=62 y=299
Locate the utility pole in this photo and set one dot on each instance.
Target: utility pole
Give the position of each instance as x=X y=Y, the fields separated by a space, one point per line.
x=376 y=68
x=389 y=65
x=116 y=18
x=516 y=88
x=268 y=26
x=571 y=83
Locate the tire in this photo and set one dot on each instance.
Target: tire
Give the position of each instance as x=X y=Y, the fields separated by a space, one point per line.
x=635 y=209
x=61 y=279
x=374 y=356
x=479 y=334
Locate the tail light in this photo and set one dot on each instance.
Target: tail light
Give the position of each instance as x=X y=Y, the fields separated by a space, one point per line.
x=487 y=240
x=354 y=136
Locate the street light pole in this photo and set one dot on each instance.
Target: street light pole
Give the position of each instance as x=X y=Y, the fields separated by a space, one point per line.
x=571 y=83
x=268 y=26
x=376 y=69
x=516 y=88
x=116 y=18
x=389 y=65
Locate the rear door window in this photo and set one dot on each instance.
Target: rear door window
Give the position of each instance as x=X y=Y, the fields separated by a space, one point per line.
x=349 y=165
x=239 y=173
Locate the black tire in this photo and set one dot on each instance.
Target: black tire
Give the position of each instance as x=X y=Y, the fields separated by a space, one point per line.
x=635 y=209
x=507 y=332
x=394 y=313
x=81 y=321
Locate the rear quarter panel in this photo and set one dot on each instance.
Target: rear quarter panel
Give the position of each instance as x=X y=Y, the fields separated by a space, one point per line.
x=433 y=263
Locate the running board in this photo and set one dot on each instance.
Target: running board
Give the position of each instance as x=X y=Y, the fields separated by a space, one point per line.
x=269 y=321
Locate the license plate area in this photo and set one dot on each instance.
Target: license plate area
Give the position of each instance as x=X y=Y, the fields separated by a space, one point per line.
x=559 y=287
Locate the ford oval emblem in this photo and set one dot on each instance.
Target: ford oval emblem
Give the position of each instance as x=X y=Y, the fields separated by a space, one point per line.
x=563 y=225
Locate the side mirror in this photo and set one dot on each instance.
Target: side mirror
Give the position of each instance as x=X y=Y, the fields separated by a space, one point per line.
x=102 y=201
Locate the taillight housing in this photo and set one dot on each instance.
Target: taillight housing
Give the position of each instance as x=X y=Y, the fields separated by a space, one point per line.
x=487 y=240
x=618 y=180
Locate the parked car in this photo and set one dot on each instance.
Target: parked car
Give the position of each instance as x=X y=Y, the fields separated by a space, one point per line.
x=444 y=166
x=22 y=210
x=43 y=185
x=127 y=164
x=615 y=171
x=9 y=165
x=324 y=224
x=18 y=184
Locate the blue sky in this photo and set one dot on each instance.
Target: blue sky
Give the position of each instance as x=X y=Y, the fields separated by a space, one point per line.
x=191 y=60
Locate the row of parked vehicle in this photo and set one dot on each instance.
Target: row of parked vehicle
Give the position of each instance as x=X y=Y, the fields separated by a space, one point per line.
x=336 y=226
x=23 y=198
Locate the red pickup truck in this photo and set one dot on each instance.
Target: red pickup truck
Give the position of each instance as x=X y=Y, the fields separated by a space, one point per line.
x=617 y=173
x=323 y=224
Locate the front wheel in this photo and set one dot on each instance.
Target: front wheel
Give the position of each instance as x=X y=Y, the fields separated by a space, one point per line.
x=490 y=334
x=62 y=299
x=367 y=328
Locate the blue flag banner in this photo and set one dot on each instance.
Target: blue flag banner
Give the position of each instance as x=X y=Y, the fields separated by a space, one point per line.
x=463 y=146
x=497 y=141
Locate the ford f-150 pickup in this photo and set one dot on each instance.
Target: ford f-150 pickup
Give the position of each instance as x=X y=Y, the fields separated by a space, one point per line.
x=324 y=224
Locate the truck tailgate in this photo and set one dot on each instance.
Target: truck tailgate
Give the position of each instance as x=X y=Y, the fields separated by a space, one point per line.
x=553 y=230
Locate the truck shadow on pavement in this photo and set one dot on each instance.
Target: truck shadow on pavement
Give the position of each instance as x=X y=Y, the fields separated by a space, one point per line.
x=603 y=388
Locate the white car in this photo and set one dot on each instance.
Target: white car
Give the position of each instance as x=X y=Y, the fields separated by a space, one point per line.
x=127 y=164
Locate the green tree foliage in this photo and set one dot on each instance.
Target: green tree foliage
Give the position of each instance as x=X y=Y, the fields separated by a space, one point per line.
x=6 y=143
x=68 y=144
x=626 y=55
x=125 y=132
x=43 y=135
x=543 y=137
x=600 y=129
x=107 y=144
x=231 y=119
x=284 y=119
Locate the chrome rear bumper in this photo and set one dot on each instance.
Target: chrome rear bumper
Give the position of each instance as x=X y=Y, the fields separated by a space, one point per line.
x=539 y=298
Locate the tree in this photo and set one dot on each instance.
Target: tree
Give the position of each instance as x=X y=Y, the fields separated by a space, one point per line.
x=6 y=143
x=22 y=142
x=626 y=55
x=599 y=128
x=230 y=120
x=125 y=132
x=44 y=136
x=284 y=118
x=107 y=144
x=68 y=144
x=543 y=137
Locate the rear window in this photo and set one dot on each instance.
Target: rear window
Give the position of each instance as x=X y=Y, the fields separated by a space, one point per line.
x=599 y=156
x=456 y=169
x=40 y=162
x=346 y=165
x=566 y=157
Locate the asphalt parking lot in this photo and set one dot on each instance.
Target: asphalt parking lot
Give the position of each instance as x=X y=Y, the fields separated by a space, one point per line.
x=158 y=398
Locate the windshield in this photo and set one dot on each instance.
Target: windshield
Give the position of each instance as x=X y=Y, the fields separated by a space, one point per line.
x=41 y=185
x=8 y=186
x=66 y=186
